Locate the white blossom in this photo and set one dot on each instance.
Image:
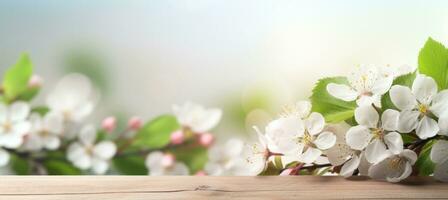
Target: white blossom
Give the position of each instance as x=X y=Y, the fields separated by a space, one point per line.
x=256 y=155
x=377 y=137
x=226 y=159
x=366 y=86
x=418 y=105
x=439 y=155
x=14 y=124
x=196 y=117
x=85 y=154
x=45 y=132
x=394 y=168
x=159 y=164
x=4 y=157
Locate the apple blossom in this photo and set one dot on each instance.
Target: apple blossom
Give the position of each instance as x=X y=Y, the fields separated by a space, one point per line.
x=135 y=123
x=418 y=105
x=45 y=132
x=257 y=154
x=159 y=164
x=439 y=155
x=395 y=167
x=226 y=159
x=177 y=137
x=86 y=154
x=197 y=118
x=206 y=139
x=109 y=124
x=13 y=124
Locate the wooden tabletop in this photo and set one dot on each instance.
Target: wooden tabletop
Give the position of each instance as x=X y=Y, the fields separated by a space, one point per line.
x=145 y=187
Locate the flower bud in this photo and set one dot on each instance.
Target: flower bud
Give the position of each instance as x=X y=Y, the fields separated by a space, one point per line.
x=286 y=172
x=177 y=137
x=35 y=81
x=201 y=173
x=168 y=160
x=135 y=123
x=206 y=139
x=109 y=124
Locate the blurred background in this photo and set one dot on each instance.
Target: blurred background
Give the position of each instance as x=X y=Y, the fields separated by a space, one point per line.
x=247 y=57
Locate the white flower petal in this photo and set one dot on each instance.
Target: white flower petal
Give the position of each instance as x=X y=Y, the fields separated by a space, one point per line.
x=11 y=140
x=382 y=85
x=83 y=162
x=427 y=127
x=394 y=142
x=441 y=171
x=33 y=142
x=439 y=104
x=214 y=169
x=406 y=173
x=389 y=119
x=303 y=108
x=315 y=123
x=21 y=128
x=234 y=147
x=408 y=121
x=350 y=166
x=19 y=111
x=439 y=151
x=325 y=140
x=402 y=97
x=443 y=124
x=376 y=151
x=358 y=137
x=338 y=154
x=379 y=171
x=310 y=155
x=178 y=169
x=209 y=120
x=3 y=112
x=424 y=88
x=87 y=135
x=4 y=157
x=54 y=122
x=74 y=151
x=51 y=142
x=105 y=150
x=99 y=166
x=367 y=116
x=255 y=158
x=410 y=155
x=342 y=91
x=364 y=165
x=154 y=159
x=367 y=100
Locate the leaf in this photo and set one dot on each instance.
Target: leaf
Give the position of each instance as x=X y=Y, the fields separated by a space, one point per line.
x=41 y=110
x=20 y=166
x=278 y=162
x=15 y=80
x=424 y=163
x=194 y=157
x=130 y=165
x=408 y=138
x=29 y=94
x=61 y=167
x=333 y=109
x=156 y=133
x=433 y=61
x=405 y=80
x=270 y=170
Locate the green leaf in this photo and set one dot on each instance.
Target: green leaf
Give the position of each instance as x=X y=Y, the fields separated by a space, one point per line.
x=278 y=162
x=29 y=94
x=424 y=163
x=156 y=133
x=270 y=170
x=404 y=80
x=41 y=110
x=61 y=167
x=15 y=80
x=433 y=61
x=194 y=157
x=20 y=166
x=408 y=138
x=130 y=165
x=333 y=109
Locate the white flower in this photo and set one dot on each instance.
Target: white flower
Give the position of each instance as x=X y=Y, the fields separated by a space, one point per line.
x=226 y=159
x=394 y=168
x=299 y=140
x=85 y=154
x=14 y=124
x=439 y=155
x=417 y=106
x=366 y=85
x=342 y=154
x=256 y=155
x=196 y=117
x=377 y=137
x=300 y=110
x=45 y=132
x=160 y=164
x=4 y=157
x=72 y=98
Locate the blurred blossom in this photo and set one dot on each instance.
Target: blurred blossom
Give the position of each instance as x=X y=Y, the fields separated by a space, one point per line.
x=160 y=164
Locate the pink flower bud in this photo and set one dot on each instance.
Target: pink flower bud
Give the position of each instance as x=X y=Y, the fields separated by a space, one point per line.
x=177 y=137
x=168 y=160
x=206 y=139
x=35 y=81
x=135 y=123
x=201 y=173
x=109 y=124
x=286 y=172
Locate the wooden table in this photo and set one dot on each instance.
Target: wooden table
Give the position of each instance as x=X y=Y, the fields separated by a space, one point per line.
x=145 y=187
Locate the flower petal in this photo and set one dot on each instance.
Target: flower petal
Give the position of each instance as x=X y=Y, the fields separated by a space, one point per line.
x=350 y=166
x=342 y=91
x=382 y=85
x=178 y=169
x=424 y=88
x=11 y=140
x=441 y=171
x=153 y=159
x=367 y=116
x=4 y=157
x=358 y=137
x=99 y=166
x=19 y=111
x=105 y=150
x=406 y=173
x=394 y=142
x=54 y=123
x=87 y=135
x=389 y=119
x=51 y=142
x=303 y=108
x=376 y=151
x=439 y=104
x=21 y=128
x=443 y=124
x=402 y=97
x=325 y=140
x=208 y=120
x=339 y=154
x=408 y=121
x=410 y=155
x=427 y=127
x=315 y=123
x=3 y=112
x=439 y=151
x=310 y=155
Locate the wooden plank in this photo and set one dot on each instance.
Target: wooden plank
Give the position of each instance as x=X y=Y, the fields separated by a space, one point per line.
x=145 y=187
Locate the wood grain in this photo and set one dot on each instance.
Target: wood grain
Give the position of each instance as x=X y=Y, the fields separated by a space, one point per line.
x=145 y=187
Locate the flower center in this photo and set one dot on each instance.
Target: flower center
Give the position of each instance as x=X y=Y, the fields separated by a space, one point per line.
x=378 y=133
x=44 y=133
x=307 y=140
x=7 y=127
x=423 y=108
x=396 y=163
